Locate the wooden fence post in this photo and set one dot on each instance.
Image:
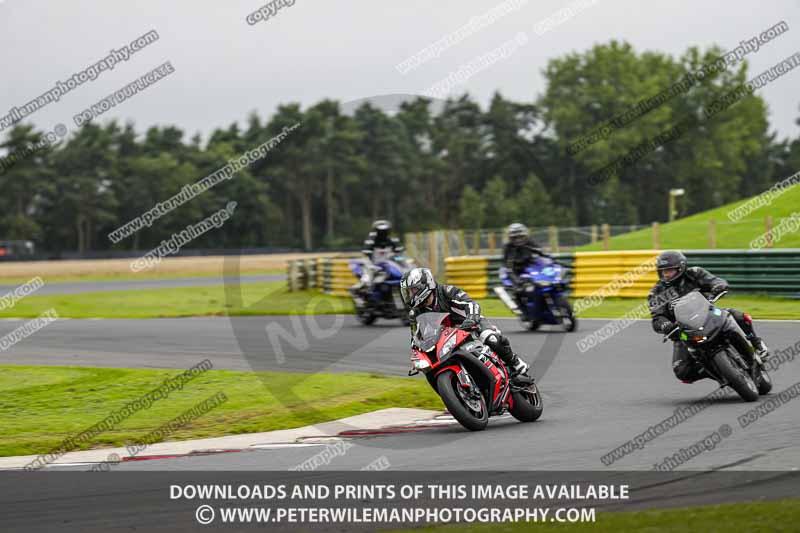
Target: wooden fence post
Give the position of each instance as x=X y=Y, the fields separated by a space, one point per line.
x=712 y=233
x=594 y=233
x=768 y=225
x=656 y=236
x=553 y=231
x=606 y=230
x=432 y=250
x=291 y=275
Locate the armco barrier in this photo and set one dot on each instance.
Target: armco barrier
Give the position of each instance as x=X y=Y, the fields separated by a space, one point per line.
x=478 y=275
x=471 y=273
x=775 y=271
x=624 y=274
x=331 y=275
x=631 y=273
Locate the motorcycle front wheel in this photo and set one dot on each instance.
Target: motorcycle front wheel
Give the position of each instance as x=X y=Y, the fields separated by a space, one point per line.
x=527 y=404
x=764 y=382
x=470 y=412
x=365 y=317
x=568 y=319
x=738 y=379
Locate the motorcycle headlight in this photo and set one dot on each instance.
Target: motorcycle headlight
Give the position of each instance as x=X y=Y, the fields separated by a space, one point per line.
x=421 y=364
x=543 y=283
x=448 y=346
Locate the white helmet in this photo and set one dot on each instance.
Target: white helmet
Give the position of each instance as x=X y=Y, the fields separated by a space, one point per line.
x=415 y=287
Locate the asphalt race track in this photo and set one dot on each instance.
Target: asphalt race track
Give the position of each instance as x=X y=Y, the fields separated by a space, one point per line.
x=594 y=401
x=77 y=287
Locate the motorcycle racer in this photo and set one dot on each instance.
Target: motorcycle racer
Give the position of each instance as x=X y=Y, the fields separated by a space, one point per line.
x=422 y=294
x=677 y=280
x=379 y=246
x=519 y=252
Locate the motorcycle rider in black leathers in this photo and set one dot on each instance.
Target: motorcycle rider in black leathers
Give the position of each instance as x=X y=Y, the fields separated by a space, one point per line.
x=379 y=246
x=422 y=294
x=676 y=280
x=518 y=253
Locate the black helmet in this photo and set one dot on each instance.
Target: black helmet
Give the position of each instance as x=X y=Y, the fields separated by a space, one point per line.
x=381 y=229
x=517 y=233
x=670 y=260
x=415 y=287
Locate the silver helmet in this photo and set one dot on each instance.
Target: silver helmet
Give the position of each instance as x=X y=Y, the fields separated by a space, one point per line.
x=415 y=287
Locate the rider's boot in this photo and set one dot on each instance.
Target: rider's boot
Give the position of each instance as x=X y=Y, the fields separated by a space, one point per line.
x=761 y=349
x=519 y=371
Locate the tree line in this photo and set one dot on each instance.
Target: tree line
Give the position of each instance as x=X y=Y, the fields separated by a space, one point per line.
x=423 y=167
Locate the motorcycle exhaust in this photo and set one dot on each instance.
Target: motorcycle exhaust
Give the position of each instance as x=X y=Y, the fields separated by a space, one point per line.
x=508 y=300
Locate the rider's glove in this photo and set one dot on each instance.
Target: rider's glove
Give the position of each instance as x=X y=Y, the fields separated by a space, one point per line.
x=666 y=327
x=718 y=288
x=470 y=322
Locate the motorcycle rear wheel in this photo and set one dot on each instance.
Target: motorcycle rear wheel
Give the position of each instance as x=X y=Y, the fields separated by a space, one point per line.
x=447 y=386
x=736 y=378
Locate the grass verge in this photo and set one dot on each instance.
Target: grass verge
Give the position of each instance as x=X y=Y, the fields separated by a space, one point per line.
x=129 y=276
x=272 y=298
x=754 y=517
x=40 y=406
x=260 y=298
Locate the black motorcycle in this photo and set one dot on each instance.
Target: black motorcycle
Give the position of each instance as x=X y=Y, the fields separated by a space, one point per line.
x=716 y=342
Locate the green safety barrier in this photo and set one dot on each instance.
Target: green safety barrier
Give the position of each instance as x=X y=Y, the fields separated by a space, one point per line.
x=774 y=272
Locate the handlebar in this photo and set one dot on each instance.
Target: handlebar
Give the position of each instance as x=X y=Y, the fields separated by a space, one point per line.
x=669 y=335
x=718 y=296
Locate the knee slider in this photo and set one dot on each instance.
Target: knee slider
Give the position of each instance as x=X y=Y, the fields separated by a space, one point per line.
x=489 y=337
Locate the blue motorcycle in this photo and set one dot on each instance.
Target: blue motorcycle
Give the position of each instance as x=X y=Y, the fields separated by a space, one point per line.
x=380 y=298
x=542 y=296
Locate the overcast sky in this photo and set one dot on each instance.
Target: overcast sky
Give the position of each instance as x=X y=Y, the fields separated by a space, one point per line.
x=343 y=49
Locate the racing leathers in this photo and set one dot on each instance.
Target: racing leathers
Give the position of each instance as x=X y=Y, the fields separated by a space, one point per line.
x=466 y=313
x=517 y=256
x=663 y=320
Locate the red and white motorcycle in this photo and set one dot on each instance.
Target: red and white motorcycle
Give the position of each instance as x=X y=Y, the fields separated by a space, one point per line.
x=471 y=379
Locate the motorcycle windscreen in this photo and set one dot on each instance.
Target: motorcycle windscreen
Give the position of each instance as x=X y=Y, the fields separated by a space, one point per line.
x=691 y=311
x=380 y=255
x=544 y=269
x=429 y=329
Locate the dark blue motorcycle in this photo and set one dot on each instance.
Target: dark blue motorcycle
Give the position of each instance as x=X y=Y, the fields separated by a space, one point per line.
x=381 y=297
x=542 y=296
